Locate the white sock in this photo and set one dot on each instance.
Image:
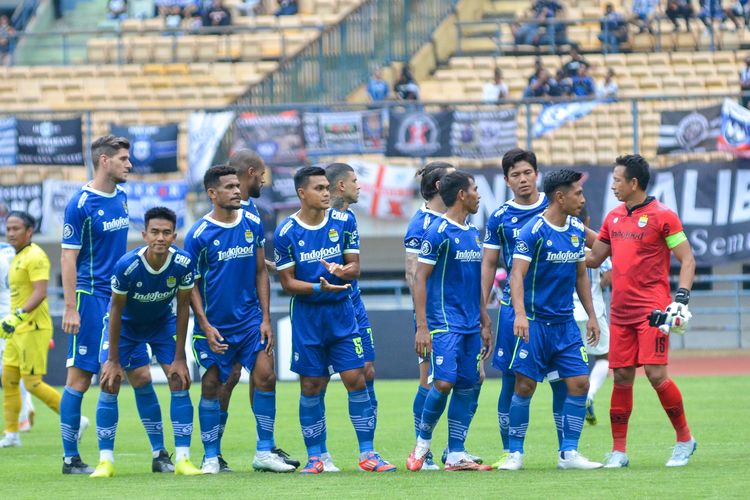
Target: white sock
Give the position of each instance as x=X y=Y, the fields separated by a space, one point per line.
x=214 y=460
x=598 y=376
x=107 y=455
x=156 y=453
x=12 y=435
x=423 y=445
x=181 y=452
x=262 y=454
x=325 y=456
x=455 y=457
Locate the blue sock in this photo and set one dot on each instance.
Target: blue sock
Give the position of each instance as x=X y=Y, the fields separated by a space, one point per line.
x=150 y=412
x=312 y=420
x=418 y=407
x=373 y=400
x=208 y=416
x=519 y=422
x=264 y=407
x=559 y=393
x=223 y=417
x=434 y=406
x=106 y=420
x=70 y=420
x=363 y=419
x=475 y=399
x=459 y=417
x=181 y=414
x=574 y=412
x=503 y=407
x=324 y=435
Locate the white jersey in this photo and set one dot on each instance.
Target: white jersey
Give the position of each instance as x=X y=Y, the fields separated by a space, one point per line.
x=7 y=252
x=595 y=277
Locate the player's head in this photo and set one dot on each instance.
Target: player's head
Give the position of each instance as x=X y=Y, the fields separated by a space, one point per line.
x=459 y=187
x=312 y=188
x=251 y=171
x=19 y=227
x=343 y=182
x=111 y=156
x=564 y=189
x=520 y=171
x=223 y=187
x=431 y=175
x=630 y=177
x=160 y=229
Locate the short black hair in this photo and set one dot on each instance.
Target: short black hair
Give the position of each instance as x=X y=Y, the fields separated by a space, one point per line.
x=431 y=174
x=29 y=222
x=563 y=178
x=636 y=167
x=516 y=155
x=160 y=213
x=336 y=171
x=452 y=183
x=213 y=174
x=245 y=159
x=302 y=176
x=108 y=145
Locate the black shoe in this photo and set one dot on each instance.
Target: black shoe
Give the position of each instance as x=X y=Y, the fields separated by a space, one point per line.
x=162 y=463
x=76 y=466
x=285 y=457
x=223 y=465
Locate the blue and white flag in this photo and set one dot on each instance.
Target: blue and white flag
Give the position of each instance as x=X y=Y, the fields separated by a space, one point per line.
x=144 y=195
x=735 y=129
x=553 y=116
x=153 y=148
x=205 y=131
x=8 y=141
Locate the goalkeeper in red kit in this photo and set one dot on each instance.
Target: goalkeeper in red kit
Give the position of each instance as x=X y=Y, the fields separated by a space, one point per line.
x=640 y=235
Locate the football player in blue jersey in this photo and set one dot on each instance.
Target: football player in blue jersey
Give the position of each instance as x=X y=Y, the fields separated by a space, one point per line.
x=144 y=284
x=317 y=256
x=452 y=323
x=95 y=234
x=232 y=317
x=548 y=265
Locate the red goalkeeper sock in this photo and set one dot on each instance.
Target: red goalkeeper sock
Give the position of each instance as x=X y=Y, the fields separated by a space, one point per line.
x=619 y=414
x=671 y=400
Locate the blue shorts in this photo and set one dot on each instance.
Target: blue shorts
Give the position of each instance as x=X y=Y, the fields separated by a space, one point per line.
x=244 y=351
x=325 y=334
x=506 y=341
x=365 y=330
x=134 y=352
x=83 y=348
x=455 y=358
x=554 y=350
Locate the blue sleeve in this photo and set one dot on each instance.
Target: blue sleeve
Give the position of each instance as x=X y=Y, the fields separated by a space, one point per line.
x=526 y=242
x=413 y=237
x=431 y=244
x=351 y=235
x=120 y=282
x=74 y=220
x=492 y=232
x=187 y=280
x=194 y=247
x=260 y=241
x=282 y=251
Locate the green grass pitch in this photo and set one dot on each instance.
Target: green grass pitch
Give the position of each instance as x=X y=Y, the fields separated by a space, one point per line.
x=718 y=409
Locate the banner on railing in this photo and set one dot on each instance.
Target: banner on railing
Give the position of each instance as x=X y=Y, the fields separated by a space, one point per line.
x=419 y=134
x=278 y=138
x=56 y=195
x=144 y=195
x=554 y=116
x=49 y=142
x=205 y=131
x=282 y=188
x=24 y=197
x=735 y=129
x=693 y=131
x=483 y=134
x=153 y=148
x=348 y=132
x=386 y=192
x=7 y=141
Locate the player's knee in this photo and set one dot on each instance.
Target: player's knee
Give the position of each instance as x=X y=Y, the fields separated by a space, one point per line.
x=443 y=386
x=369 y=371
x=656 y=374
x=78 y=380
x=525 y=387
x=11 y=376
x=210 y=384
x=265 y=381
x=578 y=386
x=623 y=376
x=31 y=382
x=311 y=386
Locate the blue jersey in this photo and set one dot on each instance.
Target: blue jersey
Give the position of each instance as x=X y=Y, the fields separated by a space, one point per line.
x=302 y=246
x=503 y=228
x=553 y=253
x=225 y=262
x=150 y=291
x=454 y=289
x=96 y=224
x=417 y=226
x=356 y=295
x=249 y=205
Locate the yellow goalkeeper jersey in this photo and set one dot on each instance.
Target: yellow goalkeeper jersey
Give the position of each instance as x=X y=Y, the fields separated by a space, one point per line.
x=29 y=265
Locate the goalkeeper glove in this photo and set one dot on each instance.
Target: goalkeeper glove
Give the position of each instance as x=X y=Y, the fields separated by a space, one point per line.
x=678 y=317
x=9 y=323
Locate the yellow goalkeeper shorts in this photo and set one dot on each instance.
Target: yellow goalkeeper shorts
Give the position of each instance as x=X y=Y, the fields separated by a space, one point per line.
x=28 y=352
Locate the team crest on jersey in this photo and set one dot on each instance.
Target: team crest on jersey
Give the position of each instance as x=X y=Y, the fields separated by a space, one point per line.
x=139 y=284
x=301 y=243
x=216 y=243
x=615 y=220
x=249 y=237
x=549 y=243
x=521 y=246
x=574 y=240
x=523 y=354
x=438 y=360
x=67 y=231
x=426 y=248
x=101 y=212
x=115 y=282
x=456 y=240
x=642 y=221
x=333 y=235
x=171 y=282
x=514 y=219
x=82 y=350
x=479 y=243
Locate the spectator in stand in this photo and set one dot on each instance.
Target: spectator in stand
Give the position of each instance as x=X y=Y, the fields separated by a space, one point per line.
x=538 y=67
x=7 y=35
x=740 y=9
x=496 y=90
x=607 y=89
x=680 y=9
x=173 y=17
x=644 y=12
x=576 y=61
x=539 y=16
x=614 y=30
x=287 y=8
x=217 y=15
x=540 y=86
x=745 y=83
x=250 y=7
x=406 y=87
x=711 y=11
x=117 y=9
x=560 y=85
x=377 y=88
x=583 y=84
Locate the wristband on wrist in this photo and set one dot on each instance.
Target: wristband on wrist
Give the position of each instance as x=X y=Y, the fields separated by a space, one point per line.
x=682 y=296
x=316 y=288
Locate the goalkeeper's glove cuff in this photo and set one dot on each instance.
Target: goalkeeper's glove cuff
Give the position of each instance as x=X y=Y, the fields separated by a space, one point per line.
x=682 y=296
x=21 y=314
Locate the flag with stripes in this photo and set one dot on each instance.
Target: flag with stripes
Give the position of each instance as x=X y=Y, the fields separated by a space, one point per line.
x=690 y=131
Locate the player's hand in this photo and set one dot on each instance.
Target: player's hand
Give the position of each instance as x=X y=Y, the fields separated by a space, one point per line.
x=336 y=269
x=111 y=376
x=266 y=336
x=592 y=331
x=271 y=267
x=215 y=340
x=9 y=323
x=71 y=321
x=327 y=287
x=678 y=317
x=521 y=327
x=423 y=342
x=486 y=334
x=178 y=371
